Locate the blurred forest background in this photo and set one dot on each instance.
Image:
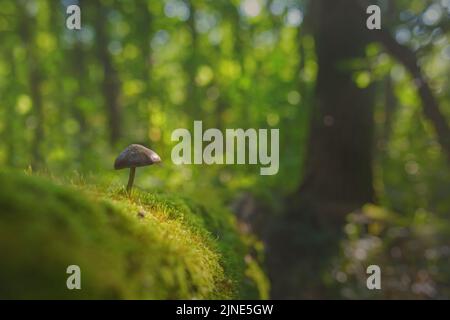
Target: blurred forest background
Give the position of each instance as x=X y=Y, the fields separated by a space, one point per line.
x=363 y=116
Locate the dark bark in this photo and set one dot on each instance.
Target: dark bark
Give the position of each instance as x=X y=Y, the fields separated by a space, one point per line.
x=339 y=151
x=34 y=87
x=191 y=64
x=110 y=84
x=390 y=104
x=79 y=70
x=147 y=25
x=9 y=134
x=241 y=36
x=339 y=158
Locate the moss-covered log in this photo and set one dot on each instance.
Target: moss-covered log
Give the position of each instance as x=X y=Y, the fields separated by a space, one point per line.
x=150 y=246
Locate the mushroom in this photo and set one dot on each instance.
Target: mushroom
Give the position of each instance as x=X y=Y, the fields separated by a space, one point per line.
x=135 y=155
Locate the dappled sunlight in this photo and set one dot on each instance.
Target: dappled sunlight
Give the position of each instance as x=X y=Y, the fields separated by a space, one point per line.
x=323 y=147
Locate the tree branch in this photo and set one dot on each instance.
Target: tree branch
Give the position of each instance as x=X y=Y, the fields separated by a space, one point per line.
x=430 y=106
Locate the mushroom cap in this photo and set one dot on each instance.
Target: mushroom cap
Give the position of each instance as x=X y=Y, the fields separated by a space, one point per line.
x=136 y=155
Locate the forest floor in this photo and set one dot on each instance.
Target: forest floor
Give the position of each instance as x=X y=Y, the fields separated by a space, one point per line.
x=149 y=245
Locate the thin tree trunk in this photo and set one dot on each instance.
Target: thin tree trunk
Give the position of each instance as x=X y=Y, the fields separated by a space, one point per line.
x=34 y=85
x=78 y=66
x=9 y=134
x=110 y=84
x=191 y=64
x=240 y=37
x=390 y=104
x=147 y=24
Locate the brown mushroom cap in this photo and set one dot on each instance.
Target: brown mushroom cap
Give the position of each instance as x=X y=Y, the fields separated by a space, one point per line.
x=134 y=156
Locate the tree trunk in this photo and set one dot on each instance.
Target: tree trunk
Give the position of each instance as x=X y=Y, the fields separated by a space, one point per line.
x=147 y=25
x=34 y=85
x=340 y=143
x=9 y=135
x=191 y=65
x=338 y=175
x=79 y=71
x=110 y=85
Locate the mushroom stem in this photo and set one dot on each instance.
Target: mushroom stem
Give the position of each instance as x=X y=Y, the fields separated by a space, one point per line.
x=131 y=179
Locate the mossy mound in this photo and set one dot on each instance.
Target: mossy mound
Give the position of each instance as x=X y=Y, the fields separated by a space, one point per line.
x=149 y=246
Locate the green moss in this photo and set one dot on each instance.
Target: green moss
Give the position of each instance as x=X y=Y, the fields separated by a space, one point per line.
x=148 y=246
